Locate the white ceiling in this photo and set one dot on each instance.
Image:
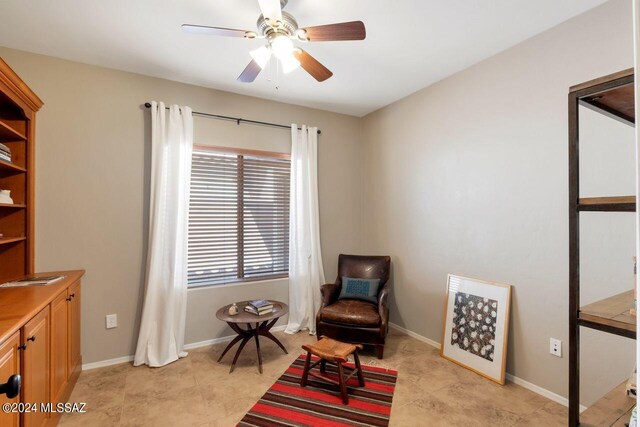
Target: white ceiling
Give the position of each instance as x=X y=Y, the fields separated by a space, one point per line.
x=410 y=43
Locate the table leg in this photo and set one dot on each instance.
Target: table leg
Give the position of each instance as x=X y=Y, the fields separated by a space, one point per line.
x=231 y=344
x=258 y=347
x=244 y=335
x=245 y=340
x=264 y=331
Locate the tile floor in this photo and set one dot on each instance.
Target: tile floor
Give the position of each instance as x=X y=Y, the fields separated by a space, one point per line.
x=198 y=391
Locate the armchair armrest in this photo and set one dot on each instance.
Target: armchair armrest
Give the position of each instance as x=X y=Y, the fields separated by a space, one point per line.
x=383 y=309
x=329 y=293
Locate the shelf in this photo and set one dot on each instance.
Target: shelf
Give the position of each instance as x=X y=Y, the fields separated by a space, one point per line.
x=611 y=95
x=610 y=315
x=12 y=206
x=7 y=240
x=6 y=166
x=617 y=103
x=608 y=204
x=614 y=409
x=7 y=133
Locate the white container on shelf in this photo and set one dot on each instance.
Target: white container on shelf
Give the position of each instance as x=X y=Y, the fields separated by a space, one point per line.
x=5 y=197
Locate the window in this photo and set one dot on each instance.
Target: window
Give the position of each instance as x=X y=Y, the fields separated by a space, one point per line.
x=238 y=216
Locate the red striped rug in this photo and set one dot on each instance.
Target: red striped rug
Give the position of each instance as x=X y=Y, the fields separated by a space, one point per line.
x=320 y=404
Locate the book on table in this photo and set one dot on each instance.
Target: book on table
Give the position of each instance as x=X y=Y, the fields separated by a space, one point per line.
x=261 y=303
x=259 y=307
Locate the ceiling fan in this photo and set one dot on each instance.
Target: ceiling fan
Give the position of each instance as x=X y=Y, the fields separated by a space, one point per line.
x=279 y=28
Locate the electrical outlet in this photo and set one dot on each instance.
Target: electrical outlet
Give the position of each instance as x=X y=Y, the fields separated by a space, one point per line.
x=112 y=321
x=555 y=347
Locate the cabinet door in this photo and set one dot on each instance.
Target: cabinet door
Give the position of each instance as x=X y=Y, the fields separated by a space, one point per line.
x=75 y=357
x=59 y=345
x=35 y=367
x=9 y=365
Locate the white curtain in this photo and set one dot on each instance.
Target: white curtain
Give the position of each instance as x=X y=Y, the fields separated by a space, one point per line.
x=161 y=338
x=306 y=273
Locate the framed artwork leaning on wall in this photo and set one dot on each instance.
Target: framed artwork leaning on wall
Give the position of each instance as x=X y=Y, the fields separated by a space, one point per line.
x=476 y=323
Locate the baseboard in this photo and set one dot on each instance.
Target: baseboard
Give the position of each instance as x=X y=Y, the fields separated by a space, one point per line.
x=541 y=391
x=511 y=378
x=126 y=359
x=412 y=334
x=105 y=363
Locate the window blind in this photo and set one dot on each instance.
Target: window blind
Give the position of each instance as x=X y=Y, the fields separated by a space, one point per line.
x=238 y=217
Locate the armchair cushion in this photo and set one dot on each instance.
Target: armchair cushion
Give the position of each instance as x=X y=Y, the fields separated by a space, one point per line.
x=364 y=289
x=351 y=312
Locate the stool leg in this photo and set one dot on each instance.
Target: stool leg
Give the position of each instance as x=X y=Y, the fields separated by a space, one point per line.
x=305 y=372
x=359 y=369
x=323 y=366
x=343 y=386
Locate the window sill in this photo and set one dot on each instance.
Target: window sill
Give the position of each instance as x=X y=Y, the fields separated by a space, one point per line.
x=236 y=284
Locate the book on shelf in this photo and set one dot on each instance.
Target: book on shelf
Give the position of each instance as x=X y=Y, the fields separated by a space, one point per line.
x=32 y=281
x=5 y=157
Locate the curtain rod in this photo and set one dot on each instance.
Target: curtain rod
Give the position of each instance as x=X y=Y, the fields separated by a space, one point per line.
x=238 y=120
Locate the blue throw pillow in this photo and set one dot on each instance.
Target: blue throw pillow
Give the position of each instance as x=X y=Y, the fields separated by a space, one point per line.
x=364 y=289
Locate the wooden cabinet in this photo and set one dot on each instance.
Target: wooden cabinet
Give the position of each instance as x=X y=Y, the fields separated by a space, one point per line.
x=41 y=340
x=36 y=367
x=59 y=345
x=39 y=325
x=74 y=306
x=9 y=365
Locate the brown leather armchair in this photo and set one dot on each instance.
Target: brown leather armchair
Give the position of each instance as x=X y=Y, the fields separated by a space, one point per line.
x=351 y=320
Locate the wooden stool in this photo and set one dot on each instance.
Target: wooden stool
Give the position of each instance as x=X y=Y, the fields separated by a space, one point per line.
x=334 y=352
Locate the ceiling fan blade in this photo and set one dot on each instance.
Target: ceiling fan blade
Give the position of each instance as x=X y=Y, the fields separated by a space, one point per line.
x=217 y=31
x=271 y=10
x=353 y=30
x=312 y=66
x=250 y=73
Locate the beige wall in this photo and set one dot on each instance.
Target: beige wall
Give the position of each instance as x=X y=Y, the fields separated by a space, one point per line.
x=92 y=186
x=469 y=176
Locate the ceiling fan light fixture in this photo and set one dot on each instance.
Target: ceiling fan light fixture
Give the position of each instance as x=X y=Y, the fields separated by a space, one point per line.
x=289 y=63
x=282 y=47
x=261 y=55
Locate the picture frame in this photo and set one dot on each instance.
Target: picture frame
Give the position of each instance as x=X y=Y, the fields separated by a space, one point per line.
x=476 y=325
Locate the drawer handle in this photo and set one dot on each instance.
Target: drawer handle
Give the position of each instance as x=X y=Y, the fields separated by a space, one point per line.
x=73 y=295
x=68 y=298
x=22 y=347
x=32 y=338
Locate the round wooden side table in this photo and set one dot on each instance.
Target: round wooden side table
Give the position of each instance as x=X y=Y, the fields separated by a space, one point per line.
x=262 y=326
